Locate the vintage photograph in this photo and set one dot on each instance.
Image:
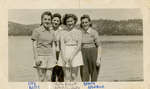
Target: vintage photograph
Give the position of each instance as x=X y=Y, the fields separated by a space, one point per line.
x=75 y=45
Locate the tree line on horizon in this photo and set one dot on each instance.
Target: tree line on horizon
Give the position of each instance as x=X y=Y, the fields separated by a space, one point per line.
x=103 y=26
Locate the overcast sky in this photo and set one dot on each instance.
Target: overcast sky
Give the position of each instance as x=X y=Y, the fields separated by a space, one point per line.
x=32 y=16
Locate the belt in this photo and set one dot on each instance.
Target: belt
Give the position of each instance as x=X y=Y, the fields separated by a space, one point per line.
x=88 y=45
x=45 y=44
x=71 y=44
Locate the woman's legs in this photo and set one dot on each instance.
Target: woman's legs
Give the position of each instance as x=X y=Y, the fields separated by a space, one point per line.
x=72 y=74
x=84 y=70
x=57 y=72
x=44 y=74
x=54 y=74
x=60 y=74
x=89 y=69
x=48 y=75
x=67 y=74
x=93 y=67
x=55 y=69
x=41 y=74
x=76 y=74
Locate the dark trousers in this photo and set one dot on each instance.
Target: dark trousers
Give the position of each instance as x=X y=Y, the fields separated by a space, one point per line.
x=57 y=72
x=89 y=69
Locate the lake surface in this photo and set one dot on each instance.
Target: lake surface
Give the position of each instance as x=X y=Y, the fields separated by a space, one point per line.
x=122 y=59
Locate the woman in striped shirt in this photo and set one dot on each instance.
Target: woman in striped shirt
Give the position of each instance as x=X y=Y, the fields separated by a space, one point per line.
x=91 y=50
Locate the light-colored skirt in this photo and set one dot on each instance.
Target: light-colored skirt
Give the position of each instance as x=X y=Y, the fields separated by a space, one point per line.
x=47 y=62
x=77 y=61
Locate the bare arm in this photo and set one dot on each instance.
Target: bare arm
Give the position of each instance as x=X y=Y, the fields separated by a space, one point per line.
x=34 y=45
x=54 y=48
x=34 y=39
x=62 y=48
x=99 y=49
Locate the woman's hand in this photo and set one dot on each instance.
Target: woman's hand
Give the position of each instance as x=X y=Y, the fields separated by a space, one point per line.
x=35 y=57
x=70 y=62
x=64 y=63
x=64 y=60
x=38 y=62
x=57 y=48
x=98 y=61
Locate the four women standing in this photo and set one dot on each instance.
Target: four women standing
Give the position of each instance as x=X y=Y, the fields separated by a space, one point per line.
x=78 y=50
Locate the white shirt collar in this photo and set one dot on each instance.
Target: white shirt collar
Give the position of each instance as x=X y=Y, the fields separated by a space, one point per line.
x=89 y=30
x=43 y=29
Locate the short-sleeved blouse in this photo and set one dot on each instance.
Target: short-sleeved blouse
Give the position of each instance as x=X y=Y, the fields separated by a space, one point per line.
x=72 y=37
x=44 y=40
x=90 y=38
x=58 y=33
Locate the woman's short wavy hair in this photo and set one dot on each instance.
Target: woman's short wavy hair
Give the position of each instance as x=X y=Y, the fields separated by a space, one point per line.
x=83 y=17
x=57 y=15
x=46 y=13
x=66 y=16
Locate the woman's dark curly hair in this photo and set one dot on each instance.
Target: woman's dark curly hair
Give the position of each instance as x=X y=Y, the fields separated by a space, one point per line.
x=83 y=17
x=57 y=15
x=66 y=16
x=46 y=13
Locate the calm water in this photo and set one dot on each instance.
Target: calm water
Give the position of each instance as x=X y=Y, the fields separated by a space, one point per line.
x=122 y=59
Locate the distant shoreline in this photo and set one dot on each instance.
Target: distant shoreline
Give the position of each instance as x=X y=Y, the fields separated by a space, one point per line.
x=103 y=27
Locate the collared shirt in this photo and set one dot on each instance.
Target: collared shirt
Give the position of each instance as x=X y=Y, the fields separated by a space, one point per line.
x=72 y=37
x=44 y=40
x=58 y=33
x=90 y=38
